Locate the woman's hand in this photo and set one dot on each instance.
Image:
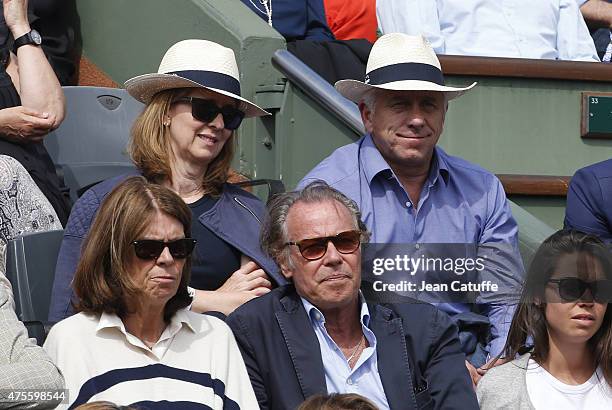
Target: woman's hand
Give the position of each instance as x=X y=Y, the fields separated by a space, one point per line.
x=249 y=277
x=23 y=125
x=248 y=282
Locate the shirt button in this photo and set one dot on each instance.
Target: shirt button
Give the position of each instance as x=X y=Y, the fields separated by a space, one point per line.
x=317 y=316
x=408 y=204
x=349 y=381
x=417 y=246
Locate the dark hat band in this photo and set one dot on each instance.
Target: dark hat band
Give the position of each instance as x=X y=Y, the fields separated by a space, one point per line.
x=211 y=79
x=405 y=72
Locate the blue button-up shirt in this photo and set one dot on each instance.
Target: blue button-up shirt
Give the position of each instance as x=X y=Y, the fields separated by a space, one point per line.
x=460 y=203
x=363 y=378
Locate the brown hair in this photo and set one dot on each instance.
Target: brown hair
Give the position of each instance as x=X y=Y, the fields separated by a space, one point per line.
x=530 y=318
x=347 y=401
x=151 y=151
x=102 y=282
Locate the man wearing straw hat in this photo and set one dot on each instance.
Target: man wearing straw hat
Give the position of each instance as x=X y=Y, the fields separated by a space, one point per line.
x=412 y=192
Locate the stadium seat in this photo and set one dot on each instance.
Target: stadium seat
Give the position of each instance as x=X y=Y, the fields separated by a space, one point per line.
x=90 y=145
x=30 y=267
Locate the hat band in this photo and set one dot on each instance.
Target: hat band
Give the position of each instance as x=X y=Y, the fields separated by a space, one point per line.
x=211 y=79
x=404 y=72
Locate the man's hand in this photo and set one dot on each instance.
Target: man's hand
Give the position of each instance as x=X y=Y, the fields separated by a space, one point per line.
x=474 y=375
x=24 y=125
x=16 y=16
x=491 y=364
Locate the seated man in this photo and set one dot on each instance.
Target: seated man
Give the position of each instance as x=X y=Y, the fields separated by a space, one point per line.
x=411 y=192
x=550 y=29
x=589 y=201
x=24 y=367
x=317 y=335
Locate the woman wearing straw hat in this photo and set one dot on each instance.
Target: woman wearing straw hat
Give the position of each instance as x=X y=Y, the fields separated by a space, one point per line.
x=184 y=139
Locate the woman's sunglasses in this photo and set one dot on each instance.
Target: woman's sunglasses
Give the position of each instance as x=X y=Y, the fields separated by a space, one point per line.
x=315 y=248
x=149 y=249
x=207 y=110
x=572 y=289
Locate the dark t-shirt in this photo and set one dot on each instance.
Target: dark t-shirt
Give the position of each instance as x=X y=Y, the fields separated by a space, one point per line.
x=34 y=157
x=213 y=260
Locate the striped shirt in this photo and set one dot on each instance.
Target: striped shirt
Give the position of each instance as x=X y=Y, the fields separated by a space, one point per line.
x=194 y=364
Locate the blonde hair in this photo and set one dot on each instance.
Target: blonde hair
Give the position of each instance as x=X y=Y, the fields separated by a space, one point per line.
x=151 y=151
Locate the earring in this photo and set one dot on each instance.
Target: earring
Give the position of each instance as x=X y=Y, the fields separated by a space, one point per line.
x=167 y=121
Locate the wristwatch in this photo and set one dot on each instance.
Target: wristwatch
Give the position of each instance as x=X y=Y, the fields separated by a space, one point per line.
x=33 y=37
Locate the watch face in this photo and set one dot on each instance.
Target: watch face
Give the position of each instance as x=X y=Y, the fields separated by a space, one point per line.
x=35 y=36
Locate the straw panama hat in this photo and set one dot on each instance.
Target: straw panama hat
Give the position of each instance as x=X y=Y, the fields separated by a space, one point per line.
x=400 y=62
x=194 y=64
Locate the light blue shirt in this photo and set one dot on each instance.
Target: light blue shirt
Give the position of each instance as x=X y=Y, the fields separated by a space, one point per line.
x=363 y=378
x=549 y=29
x=460 y=203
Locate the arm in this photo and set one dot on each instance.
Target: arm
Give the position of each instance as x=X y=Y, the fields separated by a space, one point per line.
x=596 y=13
x=78 y=225
x=585 y=202
x=316 y=24
x=23 y=364
x=241 y=334
x=573 y=39
x=248 y=282
x=448 y=379
x=504 y=266
x=37 y=84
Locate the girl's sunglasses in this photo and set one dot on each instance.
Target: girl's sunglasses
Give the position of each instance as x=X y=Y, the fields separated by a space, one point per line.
x=149 y=249
x=572 y=289
x=207 y=110
x=315 y=248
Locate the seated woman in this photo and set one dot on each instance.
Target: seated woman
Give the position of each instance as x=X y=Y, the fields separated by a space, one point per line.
x=184 y=140
x=133 y=343
x=561 y=329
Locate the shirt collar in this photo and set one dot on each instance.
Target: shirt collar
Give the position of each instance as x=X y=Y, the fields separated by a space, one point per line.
x=316 y=316
x=111 y=320
x=373 y=163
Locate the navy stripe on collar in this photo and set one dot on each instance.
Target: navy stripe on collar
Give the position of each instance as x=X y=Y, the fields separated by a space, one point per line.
x=404 y=72
x=211 y=79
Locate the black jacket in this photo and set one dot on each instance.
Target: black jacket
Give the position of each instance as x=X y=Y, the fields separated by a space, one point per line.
x=419 y=357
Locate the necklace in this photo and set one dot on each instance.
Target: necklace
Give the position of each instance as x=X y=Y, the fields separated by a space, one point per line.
x=267 y=7
x=355 y=350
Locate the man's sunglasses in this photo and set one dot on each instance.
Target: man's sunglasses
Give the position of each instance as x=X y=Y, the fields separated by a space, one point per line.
x=572 y=289
x=207 y=110
x=315 y=248
x=149 y=249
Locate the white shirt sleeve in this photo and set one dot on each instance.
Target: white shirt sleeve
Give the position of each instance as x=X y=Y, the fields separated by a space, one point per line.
x=573 y=39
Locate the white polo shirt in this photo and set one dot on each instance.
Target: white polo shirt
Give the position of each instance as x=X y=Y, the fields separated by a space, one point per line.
x=196 y=360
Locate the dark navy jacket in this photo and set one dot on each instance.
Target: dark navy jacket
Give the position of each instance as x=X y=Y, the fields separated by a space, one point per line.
x=235 y=218
x=589 y=201
x=420 y=362
x=296 y=20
